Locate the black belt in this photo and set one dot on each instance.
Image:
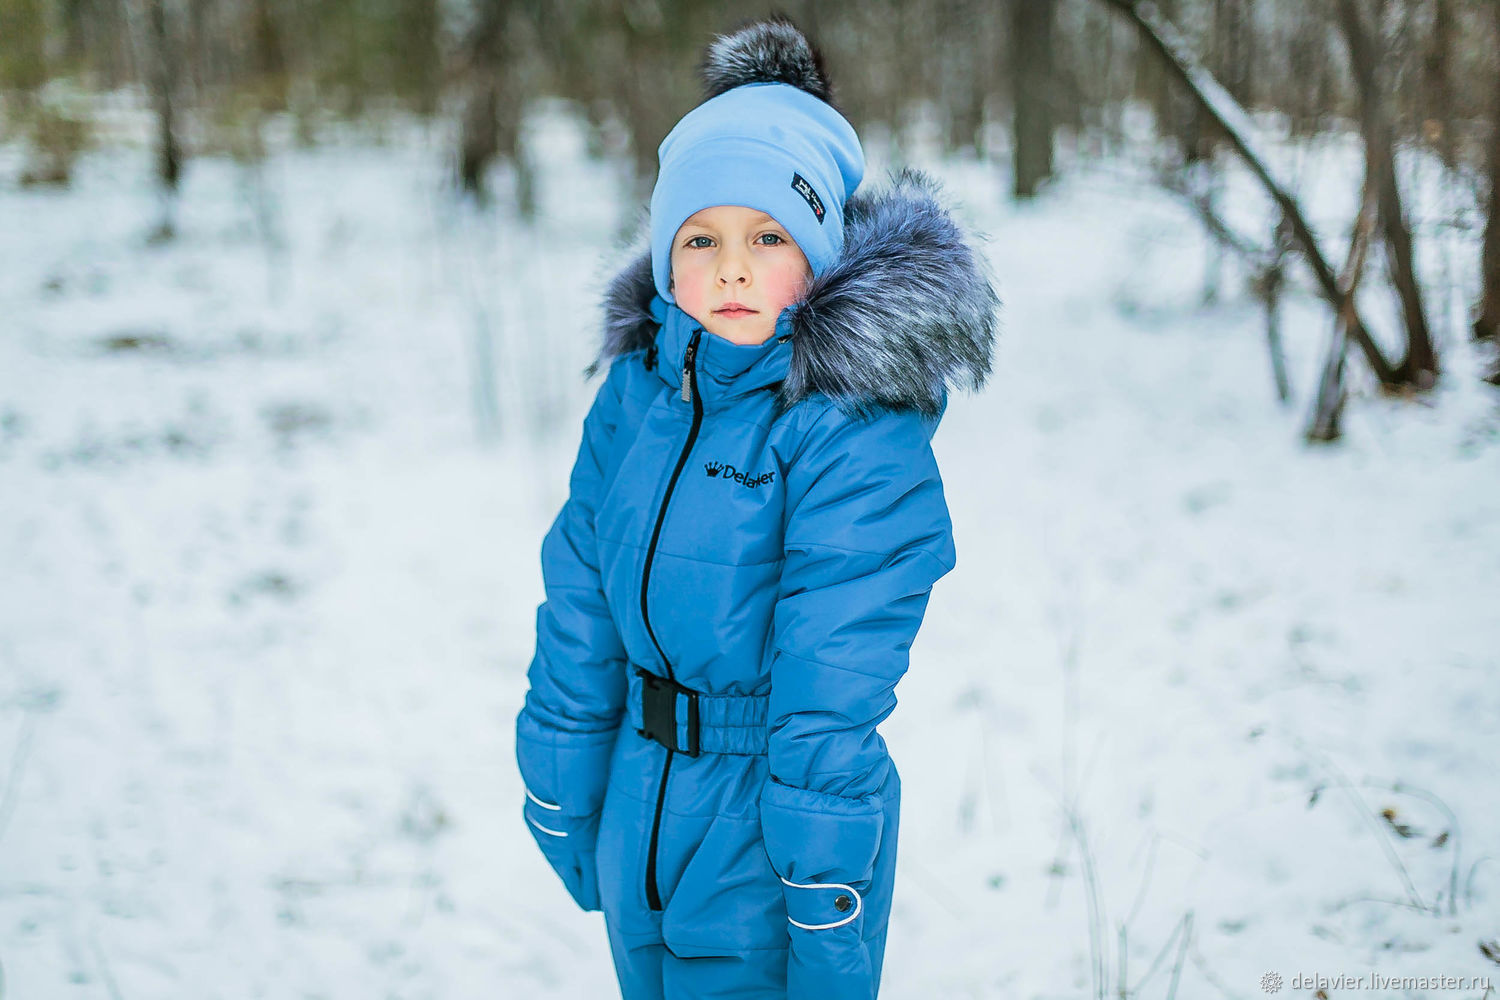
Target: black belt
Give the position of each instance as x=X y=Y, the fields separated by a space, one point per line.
x=659 y=712
x=694 y=722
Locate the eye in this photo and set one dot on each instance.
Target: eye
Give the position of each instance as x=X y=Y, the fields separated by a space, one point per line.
x=693 y=242
x=776 y=239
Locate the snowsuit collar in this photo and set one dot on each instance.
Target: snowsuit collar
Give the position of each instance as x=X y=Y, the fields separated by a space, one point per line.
x=906 y=313
x=725 y=370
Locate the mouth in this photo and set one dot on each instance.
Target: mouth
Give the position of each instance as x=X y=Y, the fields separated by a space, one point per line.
x=735 y=312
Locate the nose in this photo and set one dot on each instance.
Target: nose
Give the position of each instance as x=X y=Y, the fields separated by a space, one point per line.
x=733 y=269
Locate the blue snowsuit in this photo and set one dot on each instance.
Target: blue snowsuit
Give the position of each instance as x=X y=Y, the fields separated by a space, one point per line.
x=732 y=590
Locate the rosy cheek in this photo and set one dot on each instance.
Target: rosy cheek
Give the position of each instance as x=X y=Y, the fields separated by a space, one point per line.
x=790 y=283
x=688 y=288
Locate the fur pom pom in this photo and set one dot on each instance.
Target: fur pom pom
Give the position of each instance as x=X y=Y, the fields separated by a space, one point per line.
x=768 y=51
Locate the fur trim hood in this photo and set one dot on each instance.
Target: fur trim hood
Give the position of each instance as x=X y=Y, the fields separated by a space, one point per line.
x=906 y=313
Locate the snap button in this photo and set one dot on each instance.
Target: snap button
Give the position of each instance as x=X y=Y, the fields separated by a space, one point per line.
x=842 y=903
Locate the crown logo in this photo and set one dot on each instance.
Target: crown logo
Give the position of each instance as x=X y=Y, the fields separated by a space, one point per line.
x=713 y=469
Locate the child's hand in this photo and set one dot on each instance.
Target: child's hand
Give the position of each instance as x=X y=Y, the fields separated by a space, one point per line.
x=569 y=846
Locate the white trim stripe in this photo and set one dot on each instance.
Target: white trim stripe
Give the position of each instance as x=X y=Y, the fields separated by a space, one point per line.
x=555 y=833
x=544 y=805
x=859 y=903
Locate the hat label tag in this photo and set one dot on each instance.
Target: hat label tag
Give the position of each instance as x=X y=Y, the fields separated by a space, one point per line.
x=800 y=185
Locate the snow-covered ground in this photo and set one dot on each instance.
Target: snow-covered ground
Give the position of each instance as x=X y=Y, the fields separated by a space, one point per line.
x=267 y=599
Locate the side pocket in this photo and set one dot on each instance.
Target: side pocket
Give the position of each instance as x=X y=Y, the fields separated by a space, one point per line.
x=728 y=899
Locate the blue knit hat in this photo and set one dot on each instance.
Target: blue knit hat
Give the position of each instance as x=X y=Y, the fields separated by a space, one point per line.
x=766 y=138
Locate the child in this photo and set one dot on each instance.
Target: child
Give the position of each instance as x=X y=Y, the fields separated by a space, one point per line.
x=755 y=522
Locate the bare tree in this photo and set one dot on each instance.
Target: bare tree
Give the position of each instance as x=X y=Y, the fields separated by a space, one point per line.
x=494 y=100
x=265 y=56
x=418 y=65
x=1160 y=35
x=165 y=72
x=1032 y=76
x=1419 y=368
x=1437 y=87
x=155 y=43
x=1487 y=325
x=483 y=56
x=1234 y=44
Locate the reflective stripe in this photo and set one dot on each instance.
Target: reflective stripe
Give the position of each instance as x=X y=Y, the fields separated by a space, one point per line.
x=555 y=833
x=859 y=904
x=544 y=805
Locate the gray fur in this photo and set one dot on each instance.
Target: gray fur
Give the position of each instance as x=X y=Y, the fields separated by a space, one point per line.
x=768 y=51
x=907 y=312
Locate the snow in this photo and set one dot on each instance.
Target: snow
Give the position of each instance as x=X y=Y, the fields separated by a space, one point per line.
x=269 y=595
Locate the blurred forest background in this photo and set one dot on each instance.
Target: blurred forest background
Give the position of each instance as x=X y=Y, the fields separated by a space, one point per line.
x=1015 y=81
x=295 y=301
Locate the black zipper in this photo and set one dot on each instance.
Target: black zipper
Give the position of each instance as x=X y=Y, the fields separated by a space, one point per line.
x=689 y=395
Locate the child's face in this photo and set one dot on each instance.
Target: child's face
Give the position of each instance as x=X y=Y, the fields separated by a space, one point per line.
x=730 y=254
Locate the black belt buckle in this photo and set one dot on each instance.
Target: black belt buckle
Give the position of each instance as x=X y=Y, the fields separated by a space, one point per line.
x=659 y=711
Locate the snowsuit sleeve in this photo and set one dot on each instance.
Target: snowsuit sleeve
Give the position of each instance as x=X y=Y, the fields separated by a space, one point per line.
x=867 y=536
x=566 y=730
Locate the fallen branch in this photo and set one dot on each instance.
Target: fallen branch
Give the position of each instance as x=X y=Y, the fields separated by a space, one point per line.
x=1330 y=400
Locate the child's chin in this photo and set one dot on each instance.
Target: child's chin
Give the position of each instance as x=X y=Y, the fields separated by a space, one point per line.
x=741 y=331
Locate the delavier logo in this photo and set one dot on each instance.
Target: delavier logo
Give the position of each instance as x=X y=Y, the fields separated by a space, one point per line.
x=719 y=470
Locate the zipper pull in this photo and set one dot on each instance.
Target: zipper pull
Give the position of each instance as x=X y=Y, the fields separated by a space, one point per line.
x=688 y=373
